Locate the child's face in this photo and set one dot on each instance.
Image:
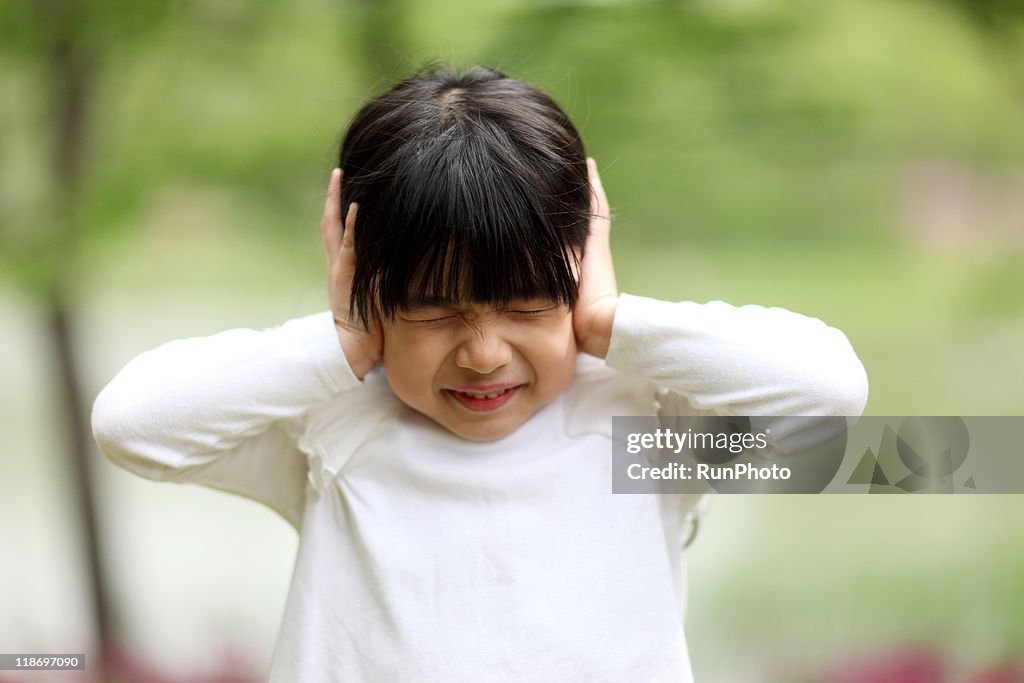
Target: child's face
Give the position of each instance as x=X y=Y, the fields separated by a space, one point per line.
x=477 y=370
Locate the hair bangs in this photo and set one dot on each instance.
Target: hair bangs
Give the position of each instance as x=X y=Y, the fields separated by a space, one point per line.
x=476 y=232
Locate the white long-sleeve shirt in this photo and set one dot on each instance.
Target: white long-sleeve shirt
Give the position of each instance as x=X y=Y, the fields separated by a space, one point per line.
x=425 y=557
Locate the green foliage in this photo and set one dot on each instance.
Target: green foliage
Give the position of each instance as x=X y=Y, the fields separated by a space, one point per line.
x=784 y=123
x=63 y=57
x=781 y=122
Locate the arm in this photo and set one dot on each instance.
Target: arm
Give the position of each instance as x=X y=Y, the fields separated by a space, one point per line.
x=224 y=410
x=739 y=360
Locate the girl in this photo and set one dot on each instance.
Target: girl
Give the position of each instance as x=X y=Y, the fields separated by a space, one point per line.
x=441 y=437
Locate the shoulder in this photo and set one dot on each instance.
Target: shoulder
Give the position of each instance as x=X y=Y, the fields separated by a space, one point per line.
x=333 y=431
x=599 y=392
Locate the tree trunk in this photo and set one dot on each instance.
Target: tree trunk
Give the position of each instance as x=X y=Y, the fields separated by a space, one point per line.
x=70 y=81
x=79 y=464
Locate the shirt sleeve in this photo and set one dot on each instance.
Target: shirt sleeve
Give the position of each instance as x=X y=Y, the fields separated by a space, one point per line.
x=226 y=410
x=740 y=360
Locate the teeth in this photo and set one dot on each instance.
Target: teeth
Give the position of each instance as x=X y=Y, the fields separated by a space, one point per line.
x=480 y=397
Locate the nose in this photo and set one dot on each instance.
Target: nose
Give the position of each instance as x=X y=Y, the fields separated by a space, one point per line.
x=483 y=351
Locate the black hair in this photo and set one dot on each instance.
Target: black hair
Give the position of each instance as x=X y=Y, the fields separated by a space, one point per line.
x=470 y=186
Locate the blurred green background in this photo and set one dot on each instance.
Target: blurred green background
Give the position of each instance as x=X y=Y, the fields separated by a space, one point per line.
x=162 y=170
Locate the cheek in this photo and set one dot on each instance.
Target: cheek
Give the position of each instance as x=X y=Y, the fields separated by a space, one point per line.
x=553 y=355
x=411 y=361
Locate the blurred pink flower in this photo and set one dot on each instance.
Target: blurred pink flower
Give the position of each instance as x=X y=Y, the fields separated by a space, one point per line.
x=894 y=666
x=1003 y=673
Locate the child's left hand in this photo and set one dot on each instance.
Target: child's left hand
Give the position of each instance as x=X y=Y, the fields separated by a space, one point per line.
x=598 y=293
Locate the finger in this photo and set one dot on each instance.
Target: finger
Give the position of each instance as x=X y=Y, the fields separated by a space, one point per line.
x=599 y=211
x=330 y=224
x=348 y=242
x=346 y=266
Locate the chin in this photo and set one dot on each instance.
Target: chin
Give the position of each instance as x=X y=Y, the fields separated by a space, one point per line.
x=482 y=430
x=483 y=433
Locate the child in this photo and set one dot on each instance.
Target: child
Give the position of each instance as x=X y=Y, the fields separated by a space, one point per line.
x=441 y=438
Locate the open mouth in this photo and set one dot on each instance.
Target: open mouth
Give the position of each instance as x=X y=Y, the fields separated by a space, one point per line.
x=483 y=401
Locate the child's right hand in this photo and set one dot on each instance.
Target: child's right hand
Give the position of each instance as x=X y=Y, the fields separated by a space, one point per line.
x=363 y=347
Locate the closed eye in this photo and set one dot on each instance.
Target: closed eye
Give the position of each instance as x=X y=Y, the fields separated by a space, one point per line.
x=427 y=321
x=530 y=312
x=426 y=315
